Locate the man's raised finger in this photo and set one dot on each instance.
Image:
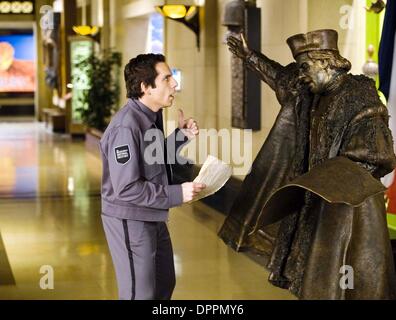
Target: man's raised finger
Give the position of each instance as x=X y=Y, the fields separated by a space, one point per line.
x=182 y=121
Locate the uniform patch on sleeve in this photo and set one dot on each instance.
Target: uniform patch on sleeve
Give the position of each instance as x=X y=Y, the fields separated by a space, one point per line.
x=122 y=154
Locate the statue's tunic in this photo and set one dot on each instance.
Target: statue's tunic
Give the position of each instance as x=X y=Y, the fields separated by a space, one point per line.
x=325 y=227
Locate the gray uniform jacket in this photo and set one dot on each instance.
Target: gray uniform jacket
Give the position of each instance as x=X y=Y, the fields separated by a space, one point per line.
x=132 y=186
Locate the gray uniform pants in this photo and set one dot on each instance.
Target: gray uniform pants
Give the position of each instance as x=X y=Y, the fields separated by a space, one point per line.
x=143 y=258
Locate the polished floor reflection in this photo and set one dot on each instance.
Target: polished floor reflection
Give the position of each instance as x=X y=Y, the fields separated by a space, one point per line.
x=50 y=221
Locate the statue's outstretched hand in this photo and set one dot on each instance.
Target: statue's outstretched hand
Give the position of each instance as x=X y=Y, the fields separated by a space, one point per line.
x=238 y=47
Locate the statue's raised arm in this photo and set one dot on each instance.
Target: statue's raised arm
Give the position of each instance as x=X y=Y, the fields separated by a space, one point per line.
x=267 y=69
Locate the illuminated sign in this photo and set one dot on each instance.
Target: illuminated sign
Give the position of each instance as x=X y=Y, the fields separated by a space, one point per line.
x=16 y=7
x=17 y=62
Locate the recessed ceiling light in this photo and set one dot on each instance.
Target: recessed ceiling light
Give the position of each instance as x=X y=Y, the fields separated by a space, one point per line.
x=16 y=7
x=27 y=7
x=5 y=7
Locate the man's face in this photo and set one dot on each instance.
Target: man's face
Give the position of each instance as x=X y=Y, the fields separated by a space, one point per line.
x=165 y=88
x=314 y=72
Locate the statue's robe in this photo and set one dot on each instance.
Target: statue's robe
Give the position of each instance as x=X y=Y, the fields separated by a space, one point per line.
x=313 y=201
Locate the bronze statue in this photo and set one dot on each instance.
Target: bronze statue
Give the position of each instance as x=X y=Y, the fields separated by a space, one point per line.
x=313 y=202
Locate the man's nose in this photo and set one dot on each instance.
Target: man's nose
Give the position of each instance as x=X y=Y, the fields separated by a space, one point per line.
x=174 y=83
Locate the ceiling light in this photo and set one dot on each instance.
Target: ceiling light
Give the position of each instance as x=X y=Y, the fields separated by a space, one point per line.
x=16 y=7
x=188 y=15
x=86 y=30
x=174 y=11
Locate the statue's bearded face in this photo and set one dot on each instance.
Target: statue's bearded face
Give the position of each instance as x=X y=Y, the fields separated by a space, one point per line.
x=316 y=72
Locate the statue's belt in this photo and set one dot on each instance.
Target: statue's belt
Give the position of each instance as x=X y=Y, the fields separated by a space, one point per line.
x=337 y=180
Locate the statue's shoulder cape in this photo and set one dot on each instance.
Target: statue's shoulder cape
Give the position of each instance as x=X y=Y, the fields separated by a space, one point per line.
x=337 y=180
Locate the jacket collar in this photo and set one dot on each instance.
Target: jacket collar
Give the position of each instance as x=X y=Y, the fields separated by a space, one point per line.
x=149 y=117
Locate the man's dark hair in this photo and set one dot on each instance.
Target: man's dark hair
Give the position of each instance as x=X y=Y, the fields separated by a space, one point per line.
x=141 y=69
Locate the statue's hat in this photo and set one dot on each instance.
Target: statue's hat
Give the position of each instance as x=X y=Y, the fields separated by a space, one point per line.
x=325 y=39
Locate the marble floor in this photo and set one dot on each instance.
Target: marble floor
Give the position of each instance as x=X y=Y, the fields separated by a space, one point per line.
x=52 y=244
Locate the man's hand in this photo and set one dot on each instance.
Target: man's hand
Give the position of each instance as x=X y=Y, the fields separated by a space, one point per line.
x=238 y=47
x=188 y=127
x=191 y=189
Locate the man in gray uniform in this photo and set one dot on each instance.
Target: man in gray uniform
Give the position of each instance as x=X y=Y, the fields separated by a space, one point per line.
x=137 y=188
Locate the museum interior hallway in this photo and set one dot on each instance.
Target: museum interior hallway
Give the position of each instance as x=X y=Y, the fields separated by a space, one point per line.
x=50 y=220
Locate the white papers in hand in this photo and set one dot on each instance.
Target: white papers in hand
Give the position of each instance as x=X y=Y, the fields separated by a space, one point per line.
x=214 y=174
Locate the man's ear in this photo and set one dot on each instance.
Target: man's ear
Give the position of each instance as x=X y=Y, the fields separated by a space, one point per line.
x=145 y=89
